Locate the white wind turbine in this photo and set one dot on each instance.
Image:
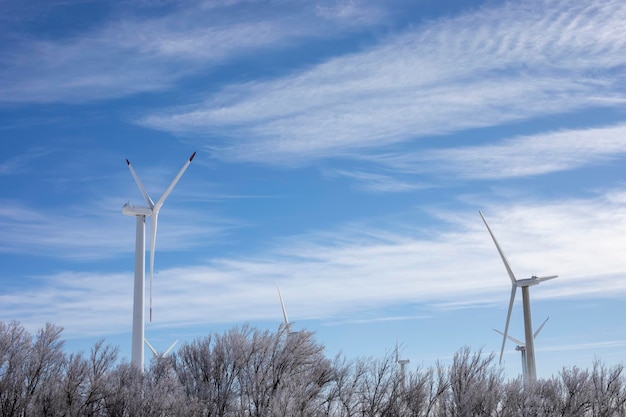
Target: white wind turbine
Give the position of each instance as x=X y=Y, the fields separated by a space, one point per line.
x=524 y=284
x=157 y=354
x=402 y=362
x=286 y=319
x=140 y=257
x=521 y=347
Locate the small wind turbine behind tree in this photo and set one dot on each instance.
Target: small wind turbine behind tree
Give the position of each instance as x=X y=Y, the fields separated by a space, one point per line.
x=286 y=319
x=524 y=284
x=521 y=347
x=402 y=363
x=162 y=354
x=152 y=210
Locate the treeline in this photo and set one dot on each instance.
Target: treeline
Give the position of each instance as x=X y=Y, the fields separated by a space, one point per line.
x=246 y=372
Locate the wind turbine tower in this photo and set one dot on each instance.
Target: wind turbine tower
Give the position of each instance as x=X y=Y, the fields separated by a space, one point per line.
x=140 y=213
x=524 y=284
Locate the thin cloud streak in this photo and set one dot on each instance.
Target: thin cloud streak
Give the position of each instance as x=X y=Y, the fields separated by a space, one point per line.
x=18 y=164
x=521 y=156
x=375 y=182
x=509 y=63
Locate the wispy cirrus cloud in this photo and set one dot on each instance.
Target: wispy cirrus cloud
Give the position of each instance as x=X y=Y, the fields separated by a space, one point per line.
x=521 y=156
x=484 y=68
x=17 y=164
x=134 y=51
x=376 y=182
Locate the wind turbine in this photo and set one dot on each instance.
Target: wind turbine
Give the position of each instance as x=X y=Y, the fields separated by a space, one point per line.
x=140 y=256
x=157 y=354
x=521 y=347
x=524 y=284
x=401 y=362
x=286 y=319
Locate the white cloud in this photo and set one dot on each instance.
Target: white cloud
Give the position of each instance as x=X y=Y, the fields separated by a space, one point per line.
x=339 y=274
x=517 y=157
x=481 y=69
x=134 y=53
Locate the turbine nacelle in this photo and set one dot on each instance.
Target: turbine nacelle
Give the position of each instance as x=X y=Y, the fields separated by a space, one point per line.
x=534 y=280
x=130 y=210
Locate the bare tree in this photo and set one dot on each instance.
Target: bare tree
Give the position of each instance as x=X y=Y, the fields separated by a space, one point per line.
x=301 y=374
x=419 y=393
x=14 y=350
x=123 y=392
x=27 y=366
x=376 y=394
x=576 y=392
x=475 y=384
x=347 y=383
x=608 y=397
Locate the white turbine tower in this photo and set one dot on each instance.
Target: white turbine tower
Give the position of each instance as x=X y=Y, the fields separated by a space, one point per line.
x=524 y=284
x=140 y=257
x=157 y=354
x=521 y=347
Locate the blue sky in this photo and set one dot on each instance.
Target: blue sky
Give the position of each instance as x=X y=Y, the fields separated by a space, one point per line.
x=344 y=149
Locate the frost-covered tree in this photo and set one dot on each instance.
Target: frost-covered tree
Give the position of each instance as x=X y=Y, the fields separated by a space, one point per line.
x=608 y=390
x=248 y=372
x=28 y=367
x=475 y=384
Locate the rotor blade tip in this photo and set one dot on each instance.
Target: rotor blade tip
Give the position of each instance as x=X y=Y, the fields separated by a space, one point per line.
x=192 y=156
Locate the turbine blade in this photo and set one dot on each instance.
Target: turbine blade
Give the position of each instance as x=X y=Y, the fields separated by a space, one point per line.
x=169 y=348
x=508 y=319
x=511 y=338
x=540 y=327
x=506 y=262
x=397 y=356
x=154 y=352
x=167 y=192
x=153 y=230
x=141 y=187
x=282 y=305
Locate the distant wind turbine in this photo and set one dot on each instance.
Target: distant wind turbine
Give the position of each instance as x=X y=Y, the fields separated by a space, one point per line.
x=157 y=354
x=524 y=284
x=521 y=347
x=286 y=319
x=140 y=257
x=401 y=362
